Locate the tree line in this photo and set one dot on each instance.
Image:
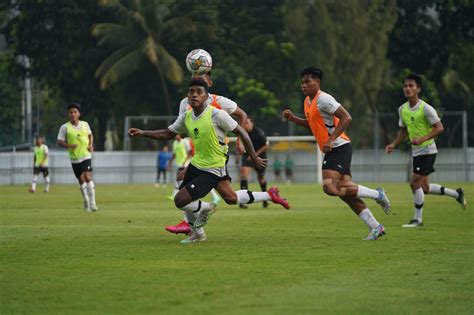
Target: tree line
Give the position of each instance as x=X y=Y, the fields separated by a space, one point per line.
x=124 y=57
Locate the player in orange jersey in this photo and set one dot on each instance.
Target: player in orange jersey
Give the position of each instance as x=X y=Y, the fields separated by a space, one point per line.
x=327 y=119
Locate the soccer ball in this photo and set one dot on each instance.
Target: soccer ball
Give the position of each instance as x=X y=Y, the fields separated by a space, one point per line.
x=199 y=61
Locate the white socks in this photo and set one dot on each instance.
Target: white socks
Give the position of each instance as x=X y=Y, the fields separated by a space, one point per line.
x=33 y=182
x=368 y=218
x=365 y=192
x=191 y=217
x=83 y=189
x=419 y=199
x=191 y=211
x=195 y=206
x=48 y=180
x=247 y=196
x=91 y=194
x=436 y=189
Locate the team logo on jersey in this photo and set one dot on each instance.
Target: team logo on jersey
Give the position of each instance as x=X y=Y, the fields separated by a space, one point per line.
x=196 y=132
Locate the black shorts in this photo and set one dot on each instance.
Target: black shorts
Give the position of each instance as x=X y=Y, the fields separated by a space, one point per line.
x=249 y=163
x=339 y=159
x=199 y=183
x=79 y=168
x=40 y=169
x=424 y=164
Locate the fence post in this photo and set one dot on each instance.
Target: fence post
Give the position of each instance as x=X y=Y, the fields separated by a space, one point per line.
x=12 y=170
x=126 y=138
x=465 y=147
x=376 y=176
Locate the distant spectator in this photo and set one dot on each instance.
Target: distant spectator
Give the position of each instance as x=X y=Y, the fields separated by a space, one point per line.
x=289 y=163
x=163 y=158
x=277 y=167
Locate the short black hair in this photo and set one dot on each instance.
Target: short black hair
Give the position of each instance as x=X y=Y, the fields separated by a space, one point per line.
x=415 y=77
x=314 y=72
x=199 y=82
x=74 y=105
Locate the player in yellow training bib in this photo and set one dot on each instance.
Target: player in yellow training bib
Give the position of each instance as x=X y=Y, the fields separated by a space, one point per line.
x=208 y=127
x=420 y=122
x=76 y=137
x=40 y=162
x=219 y=102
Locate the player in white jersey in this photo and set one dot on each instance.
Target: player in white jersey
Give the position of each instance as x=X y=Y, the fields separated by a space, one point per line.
x=208 y=128
x=230 y=107
x=40 y=164
x=76 y=136
x=328 y=119
x=420 y=122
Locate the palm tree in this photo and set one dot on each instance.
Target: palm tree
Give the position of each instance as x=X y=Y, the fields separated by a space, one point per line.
x=136 y=40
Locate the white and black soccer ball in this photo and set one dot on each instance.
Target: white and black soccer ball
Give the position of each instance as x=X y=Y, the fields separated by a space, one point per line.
x=199 y=61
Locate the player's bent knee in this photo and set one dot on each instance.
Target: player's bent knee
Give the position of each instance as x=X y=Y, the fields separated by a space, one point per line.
x=179 y=202
x=414 y=185
x=230 y=199
x=330 y=190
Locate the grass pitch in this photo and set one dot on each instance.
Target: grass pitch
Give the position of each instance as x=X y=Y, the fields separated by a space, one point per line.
x=57 y=259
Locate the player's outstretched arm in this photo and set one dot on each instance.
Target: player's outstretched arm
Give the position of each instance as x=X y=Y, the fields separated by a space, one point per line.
x=288 y=115
x=244 y=136
x=161 y=134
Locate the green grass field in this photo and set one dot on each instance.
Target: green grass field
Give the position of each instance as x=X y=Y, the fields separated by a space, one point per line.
x=58 y=259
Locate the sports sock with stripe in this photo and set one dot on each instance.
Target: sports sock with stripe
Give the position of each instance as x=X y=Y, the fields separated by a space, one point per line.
x=436 y=189
x=419 y=199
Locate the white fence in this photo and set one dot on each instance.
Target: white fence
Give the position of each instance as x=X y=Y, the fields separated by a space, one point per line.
x=140 y=167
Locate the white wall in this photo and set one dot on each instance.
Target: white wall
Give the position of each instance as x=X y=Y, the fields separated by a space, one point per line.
x=139 y=167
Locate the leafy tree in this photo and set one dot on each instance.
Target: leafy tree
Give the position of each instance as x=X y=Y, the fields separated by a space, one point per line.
x=436 y=38
x=428 y=33
x=56 y=38
x=251 y=91
x=256 y=49
x=10 y=96
x=348 y=41
x=136 y=40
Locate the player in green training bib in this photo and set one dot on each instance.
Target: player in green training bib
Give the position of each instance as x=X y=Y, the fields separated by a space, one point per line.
x=76 y=137
x=40 y=162
x=208 y=126
x=420 y=122
x=181 y=149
